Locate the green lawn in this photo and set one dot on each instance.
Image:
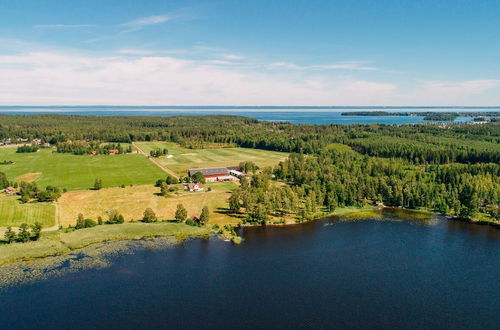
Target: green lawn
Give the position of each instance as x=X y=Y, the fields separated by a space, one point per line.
x=78 y=172
x=184 y=159
x=13 y=213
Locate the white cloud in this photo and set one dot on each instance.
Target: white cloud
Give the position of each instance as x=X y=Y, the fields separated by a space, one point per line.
x=132 y=51
x=139 y=23
x=357 y=66
x=62 y=26
x=232 y=57
x=58 y=78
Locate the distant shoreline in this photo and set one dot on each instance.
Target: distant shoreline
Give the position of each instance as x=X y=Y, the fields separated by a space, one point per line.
x=236 y=107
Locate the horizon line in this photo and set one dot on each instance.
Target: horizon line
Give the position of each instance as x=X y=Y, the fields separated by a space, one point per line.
x=260 y=106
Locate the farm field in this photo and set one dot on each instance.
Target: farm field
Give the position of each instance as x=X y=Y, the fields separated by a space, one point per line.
x=132 y=201
x=184 y=159
x=13 y=213
x=78 y=172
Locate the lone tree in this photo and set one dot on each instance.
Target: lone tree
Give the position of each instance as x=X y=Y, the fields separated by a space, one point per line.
x=36 y=231
x=170 y=180
x=204 y=215
x=80 y=221
x=164 y=189
x=97 y=184
x=234 y=202
x=10 y=235
x=180 y=213
x=149 y=215
x=24 y=234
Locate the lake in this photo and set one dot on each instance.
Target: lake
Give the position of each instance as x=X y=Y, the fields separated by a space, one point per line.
x=296 y=115
x=388 y=271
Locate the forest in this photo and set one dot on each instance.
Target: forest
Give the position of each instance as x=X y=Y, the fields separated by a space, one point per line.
x=451 y=168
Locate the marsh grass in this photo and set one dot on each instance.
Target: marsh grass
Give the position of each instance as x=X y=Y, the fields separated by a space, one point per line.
x=58 y=243
x=91 y=257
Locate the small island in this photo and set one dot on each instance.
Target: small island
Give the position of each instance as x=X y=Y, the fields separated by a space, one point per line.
x=441 y=116
x=427 y=115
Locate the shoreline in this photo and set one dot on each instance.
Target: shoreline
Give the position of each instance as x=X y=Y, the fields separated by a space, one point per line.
x=62 y=242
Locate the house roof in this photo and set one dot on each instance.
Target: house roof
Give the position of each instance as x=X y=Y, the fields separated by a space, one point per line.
x=209 y=171
x=192 y=185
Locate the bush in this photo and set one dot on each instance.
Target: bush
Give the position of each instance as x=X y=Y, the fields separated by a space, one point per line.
x=27 y=148
x=115 y=218
x=191 y=222
x=88 y=223
x=149 y=215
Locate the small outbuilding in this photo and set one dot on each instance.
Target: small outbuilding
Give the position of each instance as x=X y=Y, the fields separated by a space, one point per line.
x=9 y=190
x=194 y=187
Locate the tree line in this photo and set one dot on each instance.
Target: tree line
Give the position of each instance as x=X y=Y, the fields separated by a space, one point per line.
x=419 y=143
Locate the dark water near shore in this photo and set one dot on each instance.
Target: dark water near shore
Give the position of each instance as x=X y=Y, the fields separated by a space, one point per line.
x=397 y=273
x=296 y=115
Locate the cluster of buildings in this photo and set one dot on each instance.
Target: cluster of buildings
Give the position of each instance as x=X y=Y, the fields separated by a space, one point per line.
x=35 y=142
x=214 y=174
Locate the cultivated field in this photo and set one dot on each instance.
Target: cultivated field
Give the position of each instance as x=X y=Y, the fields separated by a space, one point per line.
x=78 y=172
x=13 y=213
x=184 y=159
x=132 y=201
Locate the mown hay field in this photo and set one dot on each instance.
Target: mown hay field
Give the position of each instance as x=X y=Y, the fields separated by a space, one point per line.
x=13 y=213
x=78 y=172
x=132 y=201
x=184 y=159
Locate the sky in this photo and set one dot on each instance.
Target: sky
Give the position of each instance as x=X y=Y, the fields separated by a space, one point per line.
x=318 y=53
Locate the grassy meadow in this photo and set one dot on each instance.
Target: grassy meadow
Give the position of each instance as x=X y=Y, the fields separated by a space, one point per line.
x=184 y=159
x=78 y=172
x=132 y=201
x=13 y=213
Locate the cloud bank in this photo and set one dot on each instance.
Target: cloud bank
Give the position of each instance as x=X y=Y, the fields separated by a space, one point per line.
x=59 y=78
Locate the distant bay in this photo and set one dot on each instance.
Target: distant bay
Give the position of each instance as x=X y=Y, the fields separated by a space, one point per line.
x=296 y=115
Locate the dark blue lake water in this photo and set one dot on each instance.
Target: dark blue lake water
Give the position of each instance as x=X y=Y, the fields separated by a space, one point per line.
x=395 y=274
x=292 y=114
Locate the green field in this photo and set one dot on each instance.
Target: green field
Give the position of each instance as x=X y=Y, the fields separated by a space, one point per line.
x=78 y=172
x=184 y=159
x=13 y=213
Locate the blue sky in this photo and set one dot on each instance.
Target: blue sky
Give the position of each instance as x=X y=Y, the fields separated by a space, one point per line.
x=250 y=52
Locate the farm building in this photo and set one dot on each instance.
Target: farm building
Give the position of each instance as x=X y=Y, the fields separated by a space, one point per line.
x=9 y=190
x=216 y=173
x=194 y=187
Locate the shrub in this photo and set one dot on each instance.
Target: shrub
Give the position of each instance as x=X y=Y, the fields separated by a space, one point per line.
x=149 y=215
